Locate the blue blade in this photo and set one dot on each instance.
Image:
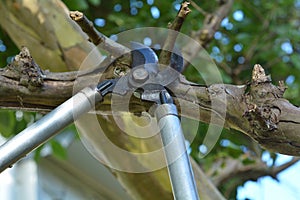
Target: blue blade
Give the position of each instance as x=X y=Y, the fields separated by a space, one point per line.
x=144 y=55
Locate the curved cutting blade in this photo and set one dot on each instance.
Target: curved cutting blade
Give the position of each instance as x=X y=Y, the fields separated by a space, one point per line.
x=144 y=55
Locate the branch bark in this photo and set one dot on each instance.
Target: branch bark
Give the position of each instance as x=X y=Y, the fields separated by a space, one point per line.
x=262 y=113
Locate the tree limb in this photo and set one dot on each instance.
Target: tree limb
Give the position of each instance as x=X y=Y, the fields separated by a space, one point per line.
x=280 y=168
x=198 y=8
x=262 y=113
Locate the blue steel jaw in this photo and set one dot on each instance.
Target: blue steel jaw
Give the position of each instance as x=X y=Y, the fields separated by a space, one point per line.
x=143 y=55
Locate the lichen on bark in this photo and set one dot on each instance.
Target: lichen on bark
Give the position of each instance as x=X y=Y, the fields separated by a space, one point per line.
x=24 y=69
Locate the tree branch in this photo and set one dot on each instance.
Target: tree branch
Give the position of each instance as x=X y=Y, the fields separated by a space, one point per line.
x=165 y=55
x=198 y=8
x=114 y=48
x=261 y=113
x=45 y=34
x=280 y=168
x=233 y=172
x=211 y=24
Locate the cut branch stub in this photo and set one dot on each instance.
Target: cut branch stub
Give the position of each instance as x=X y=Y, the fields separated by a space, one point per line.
x=87 y=27
x=259 y=75
x=114 y=48
x=24 y=69
x=261 y=114
x=184 y=10
x=270 y=124
x=261 y=87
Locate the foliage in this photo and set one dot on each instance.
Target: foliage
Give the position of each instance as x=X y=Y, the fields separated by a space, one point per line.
x=254 y=32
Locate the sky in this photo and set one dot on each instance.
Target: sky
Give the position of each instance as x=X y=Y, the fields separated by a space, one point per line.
x=267 y=188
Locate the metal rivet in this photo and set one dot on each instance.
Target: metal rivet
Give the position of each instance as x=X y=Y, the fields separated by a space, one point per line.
x=140 y=75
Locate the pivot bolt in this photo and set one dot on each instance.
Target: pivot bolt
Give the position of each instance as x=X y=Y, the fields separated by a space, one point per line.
x=140 y=75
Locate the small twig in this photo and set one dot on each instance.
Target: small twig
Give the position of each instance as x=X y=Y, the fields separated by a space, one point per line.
x=198 y=8
x=96 y=37
x=87 y=26
x=175 y=26
x=284 y=166
x=212 y=23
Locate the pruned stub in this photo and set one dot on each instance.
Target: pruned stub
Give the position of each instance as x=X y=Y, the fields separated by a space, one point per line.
x=262 y=113
x=25 y=70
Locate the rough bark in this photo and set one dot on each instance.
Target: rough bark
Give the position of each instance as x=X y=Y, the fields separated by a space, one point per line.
x=258 y=109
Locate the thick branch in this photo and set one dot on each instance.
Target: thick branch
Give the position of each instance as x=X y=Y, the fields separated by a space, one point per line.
x=261 y=113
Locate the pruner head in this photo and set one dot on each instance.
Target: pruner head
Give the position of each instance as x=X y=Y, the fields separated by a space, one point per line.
x=145 y=71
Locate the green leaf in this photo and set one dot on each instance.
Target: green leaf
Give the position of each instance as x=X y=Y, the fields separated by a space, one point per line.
x=295 y=58
x=77 y=4
x=95 y=2
x=243 y=37
x=248 y=161
x=234 y=152
x=7 y=123
x=58 y=150
x=37 y=153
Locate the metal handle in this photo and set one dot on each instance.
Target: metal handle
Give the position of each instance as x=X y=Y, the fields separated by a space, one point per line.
x=179 y=166
x=39 y=132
